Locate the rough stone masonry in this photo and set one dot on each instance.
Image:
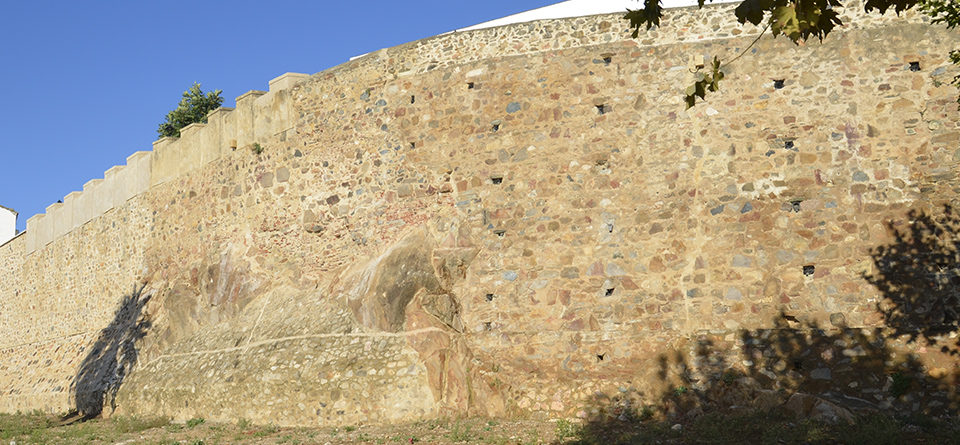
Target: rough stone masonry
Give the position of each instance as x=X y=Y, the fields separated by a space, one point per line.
x=522 y=219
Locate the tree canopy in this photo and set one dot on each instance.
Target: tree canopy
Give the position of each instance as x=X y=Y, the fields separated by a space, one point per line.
x=193 y=108
x=797 y=20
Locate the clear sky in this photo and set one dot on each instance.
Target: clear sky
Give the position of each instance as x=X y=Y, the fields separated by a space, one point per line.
x=87 y=82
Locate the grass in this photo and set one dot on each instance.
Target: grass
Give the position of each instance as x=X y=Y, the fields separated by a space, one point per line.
x=766 y=427
x=135 y=424
x=566 y=429
x=461 y=432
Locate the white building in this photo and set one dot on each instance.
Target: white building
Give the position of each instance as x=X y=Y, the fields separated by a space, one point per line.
x=579 y=8
x=8 y=224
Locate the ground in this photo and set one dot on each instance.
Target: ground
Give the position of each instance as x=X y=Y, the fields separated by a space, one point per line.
x=712 y=428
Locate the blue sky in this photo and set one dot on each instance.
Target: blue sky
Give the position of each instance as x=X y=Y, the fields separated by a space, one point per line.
x=87 y=83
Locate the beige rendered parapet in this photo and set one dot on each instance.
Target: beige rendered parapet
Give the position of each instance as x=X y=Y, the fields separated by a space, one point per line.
x=113 y=178
x=86 y=208
x=33 y=228
x=245 y=118
x=258 y=116
x=286 y=80
x=190 y=146
x=213 y=144
x=45 y=227
x=138 y=166
x=164 y=162
x=69 y=212
x=71 y=202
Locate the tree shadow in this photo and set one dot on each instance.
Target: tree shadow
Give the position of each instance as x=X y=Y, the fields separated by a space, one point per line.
x=111 y=357
x=918 y=276
x=838 y=375
x=786 y=381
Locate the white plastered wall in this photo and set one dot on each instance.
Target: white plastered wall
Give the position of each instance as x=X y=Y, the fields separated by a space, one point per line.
x=579 y=8
x=8 y=224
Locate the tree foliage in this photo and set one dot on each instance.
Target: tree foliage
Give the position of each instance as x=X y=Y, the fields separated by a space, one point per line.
x=948 y=13
x=706 y=82
x=193 y=108
x=797 y=20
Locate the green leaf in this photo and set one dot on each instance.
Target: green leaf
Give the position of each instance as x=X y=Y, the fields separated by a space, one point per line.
x=942 y=11
x=706 y=82
x=882 y=5
x=753 y=10
x=784 y=21
x=648 y=17
x=955 y=58
x=798 y=21
x=826 y=22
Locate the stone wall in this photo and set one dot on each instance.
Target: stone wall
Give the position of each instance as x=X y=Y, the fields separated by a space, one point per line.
x=507 y=220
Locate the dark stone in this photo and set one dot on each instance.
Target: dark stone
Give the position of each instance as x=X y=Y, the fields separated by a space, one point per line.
x=837 y=319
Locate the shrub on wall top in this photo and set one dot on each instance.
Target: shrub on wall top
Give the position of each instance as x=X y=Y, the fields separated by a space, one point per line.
x=193 y=108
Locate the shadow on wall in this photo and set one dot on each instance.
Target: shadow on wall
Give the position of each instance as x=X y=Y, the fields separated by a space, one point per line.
x=919 y=277
x=836 y=374
x=111 y=357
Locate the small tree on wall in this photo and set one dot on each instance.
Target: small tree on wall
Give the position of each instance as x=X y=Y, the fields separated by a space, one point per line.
x=193 y=108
